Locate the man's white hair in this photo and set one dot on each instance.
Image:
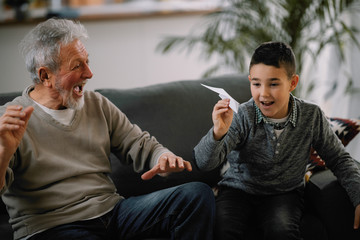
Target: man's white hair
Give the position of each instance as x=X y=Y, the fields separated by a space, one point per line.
x=41 y=46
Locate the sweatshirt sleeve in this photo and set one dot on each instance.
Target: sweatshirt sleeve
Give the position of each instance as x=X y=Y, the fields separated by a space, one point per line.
x=210 y=153
x=9 y=176
x=128 y=142
x=332 y=151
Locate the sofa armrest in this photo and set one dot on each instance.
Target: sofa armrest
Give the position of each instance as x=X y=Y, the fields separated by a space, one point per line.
x=329 y=201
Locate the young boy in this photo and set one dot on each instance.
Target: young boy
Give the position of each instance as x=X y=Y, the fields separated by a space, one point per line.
x=267 y=145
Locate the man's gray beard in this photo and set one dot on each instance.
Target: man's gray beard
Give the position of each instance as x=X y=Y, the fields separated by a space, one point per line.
x=71 y=102
x=75 y=104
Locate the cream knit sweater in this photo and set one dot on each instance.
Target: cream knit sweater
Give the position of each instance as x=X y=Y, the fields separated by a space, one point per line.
x=60 y=173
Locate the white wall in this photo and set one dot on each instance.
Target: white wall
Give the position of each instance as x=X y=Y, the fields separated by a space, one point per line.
x=122 y=53
x=338 y=103
x=14 y=76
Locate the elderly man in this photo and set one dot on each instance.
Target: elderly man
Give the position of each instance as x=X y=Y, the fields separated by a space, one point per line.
x=55 y=141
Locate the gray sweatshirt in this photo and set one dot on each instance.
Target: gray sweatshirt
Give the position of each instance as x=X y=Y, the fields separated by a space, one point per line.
x=60 y=173
x=261 y=163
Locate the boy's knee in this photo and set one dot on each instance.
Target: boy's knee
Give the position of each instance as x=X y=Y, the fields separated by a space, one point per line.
x=282 y=230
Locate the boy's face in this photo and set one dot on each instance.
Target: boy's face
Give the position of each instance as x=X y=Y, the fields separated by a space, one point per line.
x=271 y=88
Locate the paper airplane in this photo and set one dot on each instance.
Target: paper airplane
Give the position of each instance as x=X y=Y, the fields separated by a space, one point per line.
x=234 y=105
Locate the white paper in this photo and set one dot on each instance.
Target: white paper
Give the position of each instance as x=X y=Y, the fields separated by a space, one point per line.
x=234 y=105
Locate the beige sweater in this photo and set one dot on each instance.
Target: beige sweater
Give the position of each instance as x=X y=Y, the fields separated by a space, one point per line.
x=60 y=173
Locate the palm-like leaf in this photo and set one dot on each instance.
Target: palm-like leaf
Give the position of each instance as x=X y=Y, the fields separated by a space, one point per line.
x=233 y=32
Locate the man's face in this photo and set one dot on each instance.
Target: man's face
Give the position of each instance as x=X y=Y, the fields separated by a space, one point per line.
x=72 y=75
x=270 y=89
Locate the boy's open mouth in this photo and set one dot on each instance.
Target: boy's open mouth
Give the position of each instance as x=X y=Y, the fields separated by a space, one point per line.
x=269 y=103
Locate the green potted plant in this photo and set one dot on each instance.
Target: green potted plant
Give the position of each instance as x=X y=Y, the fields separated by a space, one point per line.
x=237 y=28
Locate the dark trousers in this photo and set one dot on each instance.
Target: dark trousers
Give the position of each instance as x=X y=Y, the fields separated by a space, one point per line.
x=182 y=212
x=240 y=215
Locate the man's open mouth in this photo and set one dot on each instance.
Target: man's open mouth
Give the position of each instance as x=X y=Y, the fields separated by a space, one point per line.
x=79 y=89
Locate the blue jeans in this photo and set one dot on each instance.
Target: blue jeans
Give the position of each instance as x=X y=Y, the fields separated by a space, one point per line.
x=182 y=212
x=240 y=215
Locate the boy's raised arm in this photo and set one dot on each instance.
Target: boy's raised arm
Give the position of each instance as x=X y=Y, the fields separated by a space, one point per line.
x=210 y=152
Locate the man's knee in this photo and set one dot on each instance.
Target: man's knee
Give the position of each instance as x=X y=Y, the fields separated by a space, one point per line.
x=197 y=190
x=197 y=195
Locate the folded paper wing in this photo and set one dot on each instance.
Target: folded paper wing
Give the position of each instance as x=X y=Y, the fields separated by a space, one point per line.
x=234 y=105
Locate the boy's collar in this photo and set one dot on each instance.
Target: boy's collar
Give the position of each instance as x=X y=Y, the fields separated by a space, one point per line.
x=292 y=118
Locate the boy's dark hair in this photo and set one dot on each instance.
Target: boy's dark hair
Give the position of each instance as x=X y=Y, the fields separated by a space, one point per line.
x=277 y=54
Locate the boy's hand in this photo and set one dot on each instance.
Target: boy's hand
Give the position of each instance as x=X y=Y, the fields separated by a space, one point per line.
x=222 y=117
x=357 y=217
x=168 y=162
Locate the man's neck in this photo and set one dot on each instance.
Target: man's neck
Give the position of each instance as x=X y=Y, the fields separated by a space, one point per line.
x=42 y=95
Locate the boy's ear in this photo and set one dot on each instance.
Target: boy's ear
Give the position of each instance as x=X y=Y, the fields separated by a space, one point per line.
x=249 y=77
x=294 y=81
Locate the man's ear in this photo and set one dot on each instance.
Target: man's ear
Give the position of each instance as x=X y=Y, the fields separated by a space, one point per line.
x=44 y=75
x=294 y=82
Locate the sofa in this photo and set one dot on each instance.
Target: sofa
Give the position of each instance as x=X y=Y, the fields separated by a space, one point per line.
x=178 y=114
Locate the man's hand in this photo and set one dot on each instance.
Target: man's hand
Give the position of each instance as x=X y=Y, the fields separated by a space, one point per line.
x=13 y=124
x=168 y=162
x=222 y=117
x=357 y=217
